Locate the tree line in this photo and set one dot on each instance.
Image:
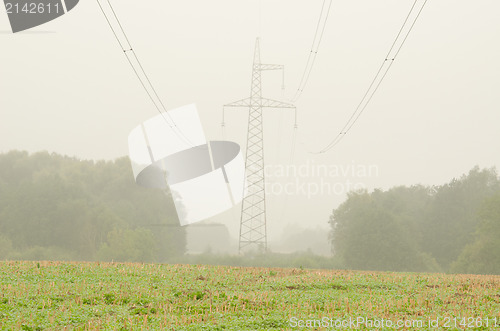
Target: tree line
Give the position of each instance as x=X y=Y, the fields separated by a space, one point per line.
x=62 y=208
x=454 y=227
x=55 y=207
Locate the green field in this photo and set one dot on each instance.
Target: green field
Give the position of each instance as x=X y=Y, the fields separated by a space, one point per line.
x=112 y=296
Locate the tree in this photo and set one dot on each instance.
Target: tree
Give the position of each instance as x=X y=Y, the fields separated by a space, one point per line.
x=70 y=205
x=483 y=255
x=5 y=247
x=416 y=228
x=452 y=216
x=377 y=231
x=125 y=245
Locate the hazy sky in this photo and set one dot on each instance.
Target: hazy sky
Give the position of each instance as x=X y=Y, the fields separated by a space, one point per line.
x=66 y=87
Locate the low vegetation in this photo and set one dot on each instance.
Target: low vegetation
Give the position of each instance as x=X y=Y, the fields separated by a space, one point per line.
x=92 y=296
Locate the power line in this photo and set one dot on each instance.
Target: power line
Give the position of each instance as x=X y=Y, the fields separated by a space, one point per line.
x=128 y=48
x=138 y=70
x=311 y=59
x=377 y=80
x=137 y=59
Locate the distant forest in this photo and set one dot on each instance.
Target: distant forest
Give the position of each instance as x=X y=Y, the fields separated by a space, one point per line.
x=54 y=207
x=60 y=208
x=450 y=228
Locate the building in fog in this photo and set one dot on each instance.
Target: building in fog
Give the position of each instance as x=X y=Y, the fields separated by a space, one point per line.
x=204 y=238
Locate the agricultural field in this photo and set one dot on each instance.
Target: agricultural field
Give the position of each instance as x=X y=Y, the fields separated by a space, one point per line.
x=113 y=296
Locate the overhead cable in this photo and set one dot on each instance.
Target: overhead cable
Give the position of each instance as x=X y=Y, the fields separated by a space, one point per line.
x=311 y=59
x=138 y=69
x=379 y=76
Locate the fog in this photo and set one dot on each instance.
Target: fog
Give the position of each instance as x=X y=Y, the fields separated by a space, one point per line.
x=66 y=87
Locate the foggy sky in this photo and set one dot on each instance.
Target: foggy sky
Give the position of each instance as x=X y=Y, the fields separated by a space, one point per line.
x=66 y=87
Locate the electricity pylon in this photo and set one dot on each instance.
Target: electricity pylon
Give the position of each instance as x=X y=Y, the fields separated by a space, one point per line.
x=253 y=226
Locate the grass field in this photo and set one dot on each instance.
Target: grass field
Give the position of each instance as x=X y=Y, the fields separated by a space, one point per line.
x=46 y=295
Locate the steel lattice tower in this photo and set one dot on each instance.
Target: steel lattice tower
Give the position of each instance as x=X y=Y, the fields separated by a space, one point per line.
x=253 y=227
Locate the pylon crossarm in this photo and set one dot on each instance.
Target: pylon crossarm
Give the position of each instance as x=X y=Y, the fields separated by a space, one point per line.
x=262 y=66
x=240 y=103
x=270 y=103
x=260 y=103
